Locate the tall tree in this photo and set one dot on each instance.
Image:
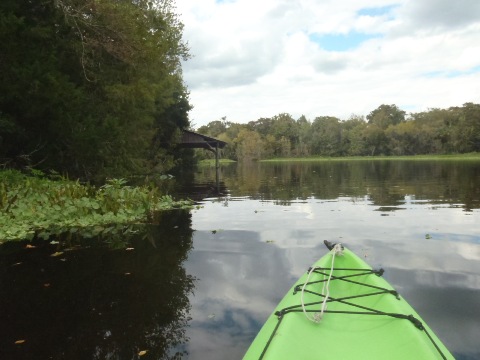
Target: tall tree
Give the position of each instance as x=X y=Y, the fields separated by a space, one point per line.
x=386 y=115
x=404 y=139
x=215 y=128
x=97 y=82
x=353 y=141
x=469 y=127
x=284 y=125
x=263 y=126
x=375 y=140
x=249 y=145
x=304 y=130
x=326 y=136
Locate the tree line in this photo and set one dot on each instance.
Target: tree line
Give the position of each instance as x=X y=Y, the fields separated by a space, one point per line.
x=91 y=88
x=387 y=130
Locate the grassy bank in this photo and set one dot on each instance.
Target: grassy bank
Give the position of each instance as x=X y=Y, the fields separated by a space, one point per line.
x=456 y=157
x=39 y=206
x=211 y=162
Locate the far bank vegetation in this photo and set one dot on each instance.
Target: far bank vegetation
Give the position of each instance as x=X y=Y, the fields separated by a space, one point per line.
x=387 y=131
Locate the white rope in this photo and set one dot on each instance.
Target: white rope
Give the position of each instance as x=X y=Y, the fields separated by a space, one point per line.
x=314 y=318
x=317 y=317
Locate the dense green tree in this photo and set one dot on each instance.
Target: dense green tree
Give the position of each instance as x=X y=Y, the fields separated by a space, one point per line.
x=284 y=147
x=469 y=127
x=326 y=136
x=386 y=115
x=403 y=139
x=226 y=131
x=375 y=140
x=270 y=146
x=281 y=132
x=436 y=128
x=168 y=124
x=263 y=126
x=304 y=126
x=90 y=87
x=229 y=151
x=284 y=125
x=353 y=140
x=249 y=145
x=452 y=130
x=215 y=128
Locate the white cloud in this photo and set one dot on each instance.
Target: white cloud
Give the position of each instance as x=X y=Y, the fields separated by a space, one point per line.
x=441 y=14
x=259 y=58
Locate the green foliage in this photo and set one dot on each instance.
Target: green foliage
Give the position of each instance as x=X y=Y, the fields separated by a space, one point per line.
x=386 y=133
x=249 y=145
x=386 y=115
x=92 y=88
x=326 y=130
x=215 y=128
x=36 y=206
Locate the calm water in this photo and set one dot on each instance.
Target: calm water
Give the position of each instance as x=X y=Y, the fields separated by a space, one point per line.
x=199 y=285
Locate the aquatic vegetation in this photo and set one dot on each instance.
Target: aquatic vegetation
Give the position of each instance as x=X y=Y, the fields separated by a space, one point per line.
x=41 y=206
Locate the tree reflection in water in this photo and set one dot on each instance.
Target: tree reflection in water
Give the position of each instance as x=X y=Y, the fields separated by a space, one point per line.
x=384 y=182
x=89 y=299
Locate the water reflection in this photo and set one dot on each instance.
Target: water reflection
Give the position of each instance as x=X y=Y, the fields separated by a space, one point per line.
x=87 y=300
x=199 y=285
x=443 y=283
x=232 y=296
x=420 y=221
x=242 y=279
x=386 y=183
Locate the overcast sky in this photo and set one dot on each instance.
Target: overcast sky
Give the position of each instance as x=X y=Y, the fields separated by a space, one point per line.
x=259 y=58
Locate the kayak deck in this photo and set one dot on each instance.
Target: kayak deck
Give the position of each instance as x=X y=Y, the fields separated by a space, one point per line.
x=365 y=318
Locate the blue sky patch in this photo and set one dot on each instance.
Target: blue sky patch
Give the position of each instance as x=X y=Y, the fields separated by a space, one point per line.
x=452 y=73
x=341 y=42
x=376 y=11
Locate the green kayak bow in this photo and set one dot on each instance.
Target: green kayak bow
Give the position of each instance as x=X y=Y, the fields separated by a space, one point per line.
x=342 y=309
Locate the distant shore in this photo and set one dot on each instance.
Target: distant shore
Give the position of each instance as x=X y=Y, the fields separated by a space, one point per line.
x=469 y=156
x=449 y=157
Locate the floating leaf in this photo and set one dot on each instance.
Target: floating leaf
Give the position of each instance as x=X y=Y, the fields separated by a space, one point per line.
x=30 y=246
x=130 y=248
x=18 y=342
x=141 y=353
x=58 y=253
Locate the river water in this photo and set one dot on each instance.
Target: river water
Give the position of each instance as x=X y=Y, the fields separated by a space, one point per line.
x=199 y=285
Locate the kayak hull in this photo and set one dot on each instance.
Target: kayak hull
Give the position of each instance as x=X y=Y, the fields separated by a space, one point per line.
x=365 y=318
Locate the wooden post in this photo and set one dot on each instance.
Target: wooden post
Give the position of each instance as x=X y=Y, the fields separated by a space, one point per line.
x=217 y=168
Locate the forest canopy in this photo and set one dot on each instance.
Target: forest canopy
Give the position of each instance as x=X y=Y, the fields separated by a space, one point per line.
x=387 y=130
x=92 y=88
